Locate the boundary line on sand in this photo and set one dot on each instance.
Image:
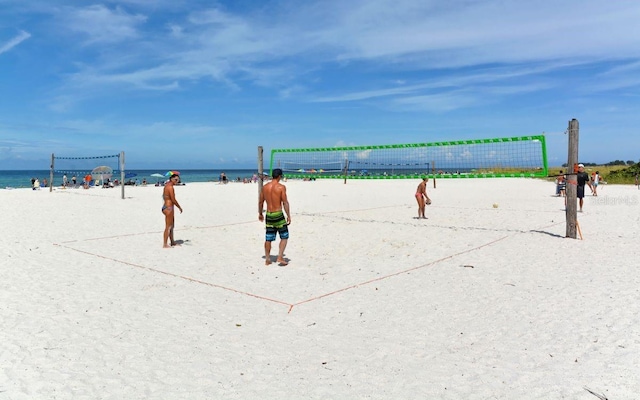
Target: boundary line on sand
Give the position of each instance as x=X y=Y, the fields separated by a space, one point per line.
x=281 y=302
x=155 y=232
x=187 y=278
x=431 y=263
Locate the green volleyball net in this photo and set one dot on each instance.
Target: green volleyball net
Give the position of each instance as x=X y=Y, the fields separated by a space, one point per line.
x=524 y=156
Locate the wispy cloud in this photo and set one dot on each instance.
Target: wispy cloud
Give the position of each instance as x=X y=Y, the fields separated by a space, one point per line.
x=622 y=75
x=436 y=102
x=455 y=91
x=21 y=37
x=462 y=33
x=399 y=35
x=99 y=24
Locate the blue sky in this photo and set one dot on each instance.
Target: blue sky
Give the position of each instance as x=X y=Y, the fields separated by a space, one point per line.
x=201 y=84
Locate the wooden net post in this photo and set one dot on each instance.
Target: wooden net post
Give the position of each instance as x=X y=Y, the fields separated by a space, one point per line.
x=346 y=170
x=572 y=181
x=433 y=168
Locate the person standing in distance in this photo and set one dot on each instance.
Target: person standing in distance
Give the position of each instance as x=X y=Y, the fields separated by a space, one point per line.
x=169 y=199
x=275 y=194
x=422 y=198
x=582 y=178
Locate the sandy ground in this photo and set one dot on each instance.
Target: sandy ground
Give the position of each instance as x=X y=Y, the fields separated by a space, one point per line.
x=474 y=302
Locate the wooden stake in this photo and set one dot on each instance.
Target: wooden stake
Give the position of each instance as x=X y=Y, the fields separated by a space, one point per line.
x=579 y=230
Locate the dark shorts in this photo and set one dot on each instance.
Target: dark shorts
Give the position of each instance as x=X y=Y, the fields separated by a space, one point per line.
x=581 y=192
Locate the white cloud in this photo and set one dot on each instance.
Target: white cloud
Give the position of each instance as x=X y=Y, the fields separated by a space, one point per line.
x=426 y=56
x=21 y=37
x=103 y=25
x=461 y=33
x=436 y=102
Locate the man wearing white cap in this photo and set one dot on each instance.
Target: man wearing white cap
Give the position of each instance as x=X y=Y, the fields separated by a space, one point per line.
x=582 y=178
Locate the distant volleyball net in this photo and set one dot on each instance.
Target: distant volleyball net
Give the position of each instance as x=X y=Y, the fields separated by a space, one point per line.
x=87 y=171
x=523 y=156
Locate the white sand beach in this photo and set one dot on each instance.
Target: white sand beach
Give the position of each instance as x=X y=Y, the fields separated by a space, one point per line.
x=474 y=302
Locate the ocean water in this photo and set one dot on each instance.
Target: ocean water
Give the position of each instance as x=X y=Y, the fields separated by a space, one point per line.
x=22 y=179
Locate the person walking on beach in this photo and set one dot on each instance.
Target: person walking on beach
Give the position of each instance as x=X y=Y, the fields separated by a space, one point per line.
x=169 y=197
x=560 y=181
x=561 y=185
x=583 y=179
x=422 y=198
x=275 y=194
x=596 y=181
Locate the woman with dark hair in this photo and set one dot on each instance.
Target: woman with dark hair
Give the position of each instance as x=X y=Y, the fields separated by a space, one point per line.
x=169 y=197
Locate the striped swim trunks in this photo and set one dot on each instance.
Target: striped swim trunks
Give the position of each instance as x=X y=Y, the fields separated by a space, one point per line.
x=275 y=222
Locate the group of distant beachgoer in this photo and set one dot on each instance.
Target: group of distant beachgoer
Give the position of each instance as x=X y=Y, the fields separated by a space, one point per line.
x=582 y=179
x=35 y=183
x=223 y=179
x=86 y=182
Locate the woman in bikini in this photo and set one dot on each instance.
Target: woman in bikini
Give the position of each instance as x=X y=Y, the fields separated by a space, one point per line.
x=169 y=198
x=421 y=197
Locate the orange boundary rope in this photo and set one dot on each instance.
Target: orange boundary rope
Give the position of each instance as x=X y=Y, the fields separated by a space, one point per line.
x=291 y=305
x=176 y=275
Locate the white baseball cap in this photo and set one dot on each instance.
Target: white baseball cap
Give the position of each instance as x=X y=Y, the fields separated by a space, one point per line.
x=580 y=165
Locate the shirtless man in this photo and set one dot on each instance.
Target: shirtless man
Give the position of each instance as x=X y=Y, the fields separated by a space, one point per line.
x=275 y=194
x=169 y=198
x=421 y=197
